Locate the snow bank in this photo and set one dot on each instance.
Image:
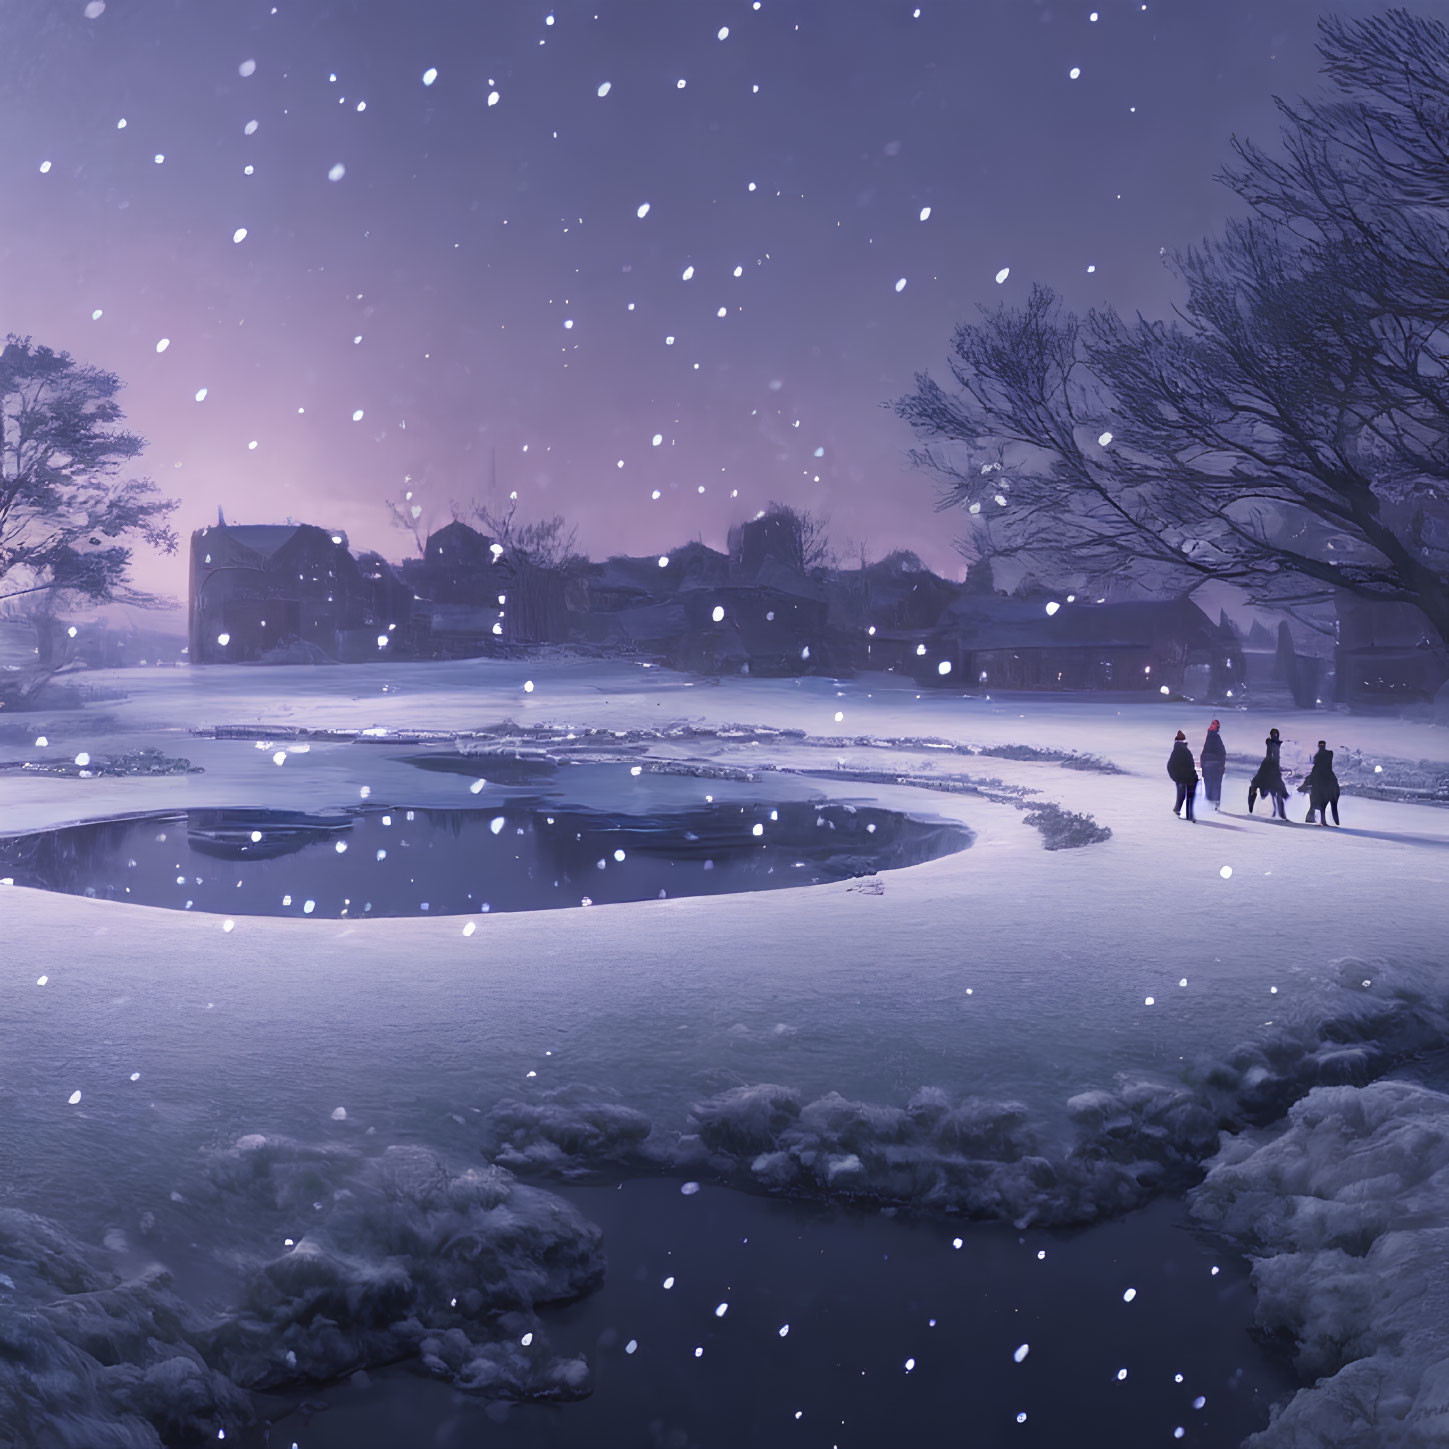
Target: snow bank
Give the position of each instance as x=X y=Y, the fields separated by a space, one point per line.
x=990 y=1158
x=347 y=1255
x=570 y=1131
x=91 y=1361
x=1346 y=1209
x=394 y=1258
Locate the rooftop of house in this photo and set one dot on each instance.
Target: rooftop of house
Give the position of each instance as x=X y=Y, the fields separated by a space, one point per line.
x=990 y=621
x=267 y=539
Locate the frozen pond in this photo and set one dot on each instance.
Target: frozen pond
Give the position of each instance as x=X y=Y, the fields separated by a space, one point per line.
x=518 y=856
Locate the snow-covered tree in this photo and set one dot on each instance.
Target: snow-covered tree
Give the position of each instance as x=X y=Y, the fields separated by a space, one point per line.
x=68 y=516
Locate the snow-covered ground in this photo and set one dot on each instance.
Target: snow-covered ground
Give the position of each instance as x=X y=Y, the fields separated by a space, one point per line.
x=1010 y=1031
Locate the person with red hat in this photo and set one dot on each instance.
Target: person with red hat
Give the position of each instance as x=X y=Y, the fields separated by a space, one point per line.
x=1183 y=773
x=1214 y=762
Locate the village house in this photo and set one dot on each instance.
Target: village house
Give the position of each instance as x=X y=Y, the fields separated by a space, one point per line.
x=257 y=590
x=460 y=590
x=293 y=591
x=989 y=642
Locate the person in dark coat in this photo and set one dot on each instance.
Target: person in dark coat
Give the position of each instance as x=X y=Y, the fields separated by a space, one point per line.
x=1268 y=782
x=1321 y=787
x=1214 y=761
x=1183 y=773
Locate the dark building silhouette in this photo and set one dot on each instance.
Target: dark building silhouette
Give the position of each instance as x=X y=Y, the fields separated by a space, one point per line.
x=458 y=566
x=292 y=592
x=1386 y=652
x=460 y=588
x=260 y=590
x=1015 y=643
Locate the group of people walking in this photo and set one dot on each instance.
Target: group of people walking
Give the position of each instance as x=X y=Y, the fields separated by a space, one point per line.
x=1320 y=784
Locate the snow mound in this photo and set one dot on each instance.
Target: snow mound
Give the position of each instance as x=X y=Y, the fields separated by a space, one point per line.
x=395 y=1256
x=91 y=1361
x=567 y=1131
x=392 y=1257
x=985 y=1158
x=1343 y=1206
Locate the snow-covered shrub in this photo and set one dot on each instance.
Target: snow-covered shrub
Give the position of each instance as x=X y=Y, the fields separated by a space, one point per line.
x=1064 y=829
x=1067 y=759
x=393 y=1252
x=91 y=1361
x=567 y=1131
x=1343 y=1206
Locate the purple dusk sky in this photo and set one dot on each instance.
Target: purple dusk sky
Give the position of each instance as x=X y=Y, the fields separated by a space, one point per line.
x=369 y=273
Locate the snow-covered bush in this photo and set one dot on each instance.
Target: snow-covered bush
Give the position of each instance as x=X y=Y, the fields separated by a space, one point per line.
x=1064 y=829
x=1343 y=1207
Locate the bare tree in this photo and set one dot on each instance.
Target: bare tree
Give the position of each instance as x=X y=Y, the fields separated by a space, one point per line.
x=1367 y=169
x=411 y=516
x=544 y=542
x=810 y=531
x=1288 y=430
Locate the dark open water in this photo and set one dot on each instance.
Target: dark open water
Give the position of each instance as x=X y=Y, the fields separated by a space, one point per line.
x=859 y=1293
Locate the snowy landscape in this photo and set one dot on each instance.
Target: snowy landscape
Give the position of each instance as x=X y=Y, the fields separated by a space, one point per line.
x=583 y=857
x=1007 y=1033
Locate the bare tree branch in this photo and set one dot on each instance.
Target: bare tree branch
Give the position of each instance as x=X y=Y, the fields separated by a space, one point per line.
x=1288 y=429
